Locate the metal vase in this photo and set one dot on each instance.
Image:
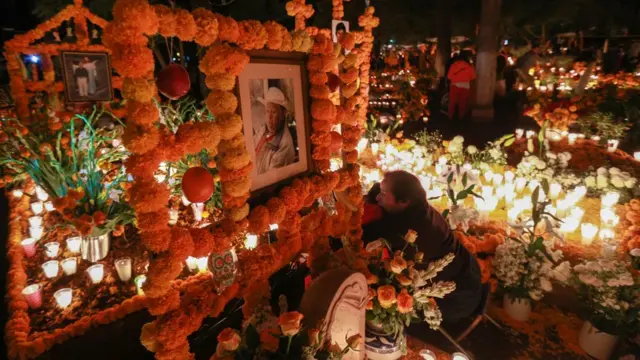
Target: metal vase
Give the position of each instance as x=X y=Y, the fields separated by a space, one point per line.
x=95 y=248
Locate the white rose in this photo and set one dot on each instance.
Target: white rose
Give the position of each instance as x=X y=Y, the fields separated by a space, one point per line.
x=472 y=149
x=614 y=171
x=545 y=284
x=454 y=147
x=617 y=182
x=602 y=182
x=590 y=181
x=541 y=165
x=602 y=171
x=458 y=139
x=551 y=155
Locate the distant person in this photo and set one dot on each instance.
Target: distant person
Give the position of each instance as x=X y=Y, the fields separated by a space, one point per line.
x=460 y=74
x=82 y=79
x=526 y=62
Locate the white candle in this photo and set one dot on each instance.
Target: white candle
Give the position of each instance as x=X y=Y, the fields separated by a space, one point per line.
x=29 y=246
x=606 y=234
x=442 y=160
x=589 y=232
x=96 y=273
x=73 y=244
x=17 y=193
x=35 y=221
x=509 y=176
x=563 y=206
x=533 y=184
x=197 y=211
x=459 y=356
x=33 y=295
x=612 y=145
x=201 y=264
x=595 y=138
x=608 y=217
x=497 y=179
x=554 y=190
x=427 y=354
x=488 y=176
x=375 y=147
x=123 y=267
x=173 y=216
x=273 y=227
x=49 y=206
x=509 y=197
x=36 y=232
x=63 y=297
x=192 y=263
x=519 y=132
x=41 y=194
x=520 y=184
x=251 y=242
x=487 y=191
x=572 y=138
x=50 y=268
x=530 y=134
x=52 y=249
x=69 y=266
x=610 y=199
x=37 y=207
x=636 y=155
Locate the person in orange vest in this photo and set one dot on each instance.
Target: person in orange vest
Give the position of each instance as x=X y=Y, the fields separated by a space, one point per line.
x=460 y=74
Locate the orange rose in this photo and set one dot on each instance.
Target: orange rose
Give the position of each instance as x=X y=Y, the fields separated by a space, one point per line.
x=354 y=341
x=411 y=236
x=269 y=340
x=369 y=305
x=386 y=296
x=419 y=256
x=372 y=279
x=403 y=280
x=397 y=265
x=405 y=302
x=290 y=323
x=229 y=339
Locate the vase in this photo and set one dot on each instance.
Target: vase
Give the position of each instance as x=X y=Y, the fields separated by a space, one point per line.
x=596 y=343
x=518 y=309
x=95 y=248
x=380 y=345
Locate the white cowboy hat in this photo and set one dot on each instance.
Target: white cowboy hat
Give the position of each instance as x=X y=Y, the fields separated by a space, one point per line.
x=276 y=96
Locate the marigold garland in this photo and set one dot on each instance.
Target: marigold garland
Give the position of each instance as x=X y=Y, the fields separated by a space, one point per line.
x=139 y=89
x=229 y=31
x=186 y=27
x=166 y=20
x=222 y=58
x=252 y=35
x=222 y=81
x=207 y=27
x=142 y=113
x=132 y=60
x=221 y=102
x=140 y=140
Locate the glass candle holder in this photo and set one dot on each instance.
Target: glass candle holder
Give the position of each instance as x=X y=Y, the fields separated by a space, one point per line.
x=636 y=155
x=123 y=268
x=459 y=356
x=139 y=281
x=588 y=232
x=37 y=207
x=69 y=266
x=488 y=176
x=96 y=273
x=520 y=184
x=35 y=221
x=497 y=179
x=571 y=138
x=509 y=176
x=610 y=199
x=17 y=193
x=192 y=263
x=427 y=354
x=29 y=246
x=606 y=234
x=41 y=194
x=73 y=244
x=608 y=217
x=52 y=249
x=36 y=232
x=63 y=297
x=50 y=268
x=251 y=242
x=554 y=190
x=201 y=263
x=612 y=145
x=49 y=206
x=33 y=295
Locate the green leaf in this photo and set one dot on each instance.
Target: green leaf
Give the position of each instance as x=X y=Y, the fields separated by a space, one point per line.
x=509 y=141
x=534 y=196
x=445 y=213
x=450 y=178
x=252 y=337
x=545 y=185
x=462 y=195
x=464 y=179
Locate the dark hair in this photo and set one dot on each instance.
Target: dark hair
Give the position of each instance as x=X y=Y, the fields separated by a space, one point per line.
x=407 y=187
x=341 y=26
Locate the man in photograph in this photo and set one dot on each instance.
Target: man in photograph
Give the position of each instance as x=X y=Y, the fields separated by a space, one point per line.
x=274 y=145
x=82 y=79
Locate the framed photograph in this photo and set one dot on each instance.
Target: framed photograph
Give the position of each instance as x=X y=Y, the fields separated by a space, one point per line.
x=273 y=93
x=338 y=29
x=87 y=76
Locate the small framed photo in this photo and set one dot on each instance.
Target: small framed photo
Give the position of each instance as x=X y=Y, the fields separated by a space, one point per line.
x=338 y=29
x=273 y=93
x=87 y=76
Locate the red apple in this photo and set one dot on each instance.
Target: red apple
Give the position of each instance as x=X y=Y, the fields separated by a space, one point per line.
x=173 y=81
x=197 y=184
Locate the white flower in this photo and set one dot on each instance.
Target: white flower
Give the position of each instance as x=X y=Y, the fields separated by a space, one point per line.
x=590 y=181
x=458 y=139
x=454 y=147
x=562 y=272
x=630 y=183
x=472 y=149
x=602 y=182
x=617 y=182
x=602 y=171
x=614 y=171
x=115 y=195
x=460 y=216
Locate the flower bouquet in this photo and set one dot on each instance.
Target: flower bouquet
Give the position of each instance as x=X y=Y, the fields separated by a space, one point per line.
x=402 y=289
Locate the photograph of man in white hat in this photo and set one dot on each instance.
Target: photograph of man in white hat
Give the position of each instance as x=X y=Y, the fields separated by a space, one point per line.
x=274 y=145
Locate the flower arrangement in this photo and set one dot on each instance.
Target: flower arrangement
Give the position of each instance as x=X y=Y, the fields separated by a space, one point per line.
x=609 y=290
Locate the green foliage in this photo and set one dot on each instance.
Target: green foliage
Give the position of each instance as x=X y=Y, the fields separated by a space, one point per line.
x=603 y=125
x=432 y=141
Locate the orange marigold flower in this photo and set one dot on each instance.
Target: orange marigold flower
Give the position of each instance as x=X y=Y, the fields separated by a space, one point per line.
x=165 y=303
x=167 y=26
x=322 y=45
x=350 y=89
x=320 y=92
x=186 y=27
x=321 y=126
x=193 y=137
x=348 y=41
x=144 y=165
x=221 y=102
x=153 y=221
x=132 y=60
x=227 y=175
x=323 y=110
x=203 y=241
x=237 y=187
x=277 y=210
x=207 y=27
x=222 y=81
x=276 y=34
x=405 y=302
x=331 y=180
x=349 y=76
x=136 y=13
x=142 y=113
x=229 y=30
x=230 y=125
x=259 y=220
x=233 y=202
x=252 y=35
x=287 y=42
x=318 y=78
x=222 y=58
x=140 y=140
x=181 y=244
x=321 y=152
x=290 y=199
x=239 y=213
x=234 y=158
x=301 y=41
x=140 y=89
x=147 y=195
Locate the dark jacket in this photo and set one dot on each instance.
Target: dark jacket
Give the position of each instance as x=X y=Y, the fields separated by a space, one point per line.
x=435 y=240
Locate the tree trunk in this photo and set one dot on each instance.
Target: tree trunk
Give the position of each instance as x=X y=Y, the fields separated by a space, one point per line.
x=444 y=10
x=486 y=60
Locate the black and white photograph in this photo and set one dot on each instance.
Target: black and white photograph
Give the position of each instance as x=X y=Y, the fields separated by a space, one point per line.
x=271 y=99
x=339 y=29
x=87 y=76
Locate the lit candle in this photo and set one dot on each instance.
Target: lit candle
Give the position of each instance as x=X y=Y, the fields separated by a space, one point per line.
x=589 y=232
x=35 y=221
x=41 y=194
x=487 y=191
x=273 y=227
x=52 y=249
x=519 y=132
x=530 y=134
x=608 y=217
x=63 y=297
x=595 y=138
x=459 y=356
x=497 y=179
x=33 y=295
x=427 y=354
x=509 y=197
x=123 y=267
x=509 y=176
x=533 y=184
x=192 y=263
x=197 y=208
x=563 y=206
x=29 y=246
x=610 y=199
x=606 y=234
x=96 y=273
x=612 y=145
x=375 y=147
x=49 y=206
x=569 y=225
x=36 y=232
x=139 y=281
x=488 y=176
x=636 y=155
x=50 y=268
x=73 y=244
x=37 y=207
x=69 y=266
x=17 y=193
x=520 y=184
x=185 y=201
x=554 y=190
x=251 y=242
x=442 y=160
x=201 y=264
x=572 y=138
x=173 y=216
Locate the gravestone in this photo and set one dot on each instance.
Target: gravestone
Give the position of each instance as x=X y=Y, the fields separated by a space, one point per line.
x=338 y=296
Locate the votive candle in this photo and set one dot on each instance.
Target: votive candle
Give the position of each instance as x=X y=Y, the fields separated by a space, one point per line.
x=554 y=190
x=595 y=138
x=497 y=179
x=49 y=206
x=612 y=145
x=41 y=194
x=173 y=216
x=201 y=263
x=139 y=281
x=427 y=354
x=608 y=217
x=589 y=232
x=17 y=193
x=636 y=155
x=533 y=184
x=509 y=176
x=52 y=249
x=488 y=176
x=610 y=199
x=37 y=207
x=96 y=273
x=520 y=184
x=273 y=227
x=36 y=232
x=73 y=244
x=572 y=137
x=519 y=133
x=251 y=242
x=35 y=221
x=69 y=265
x=63 y=297
x=50 y=268
x=192 y=263
x=33 y=295
x=123 y=267
x=606 y=234
x=29 y=246
x=459 y=356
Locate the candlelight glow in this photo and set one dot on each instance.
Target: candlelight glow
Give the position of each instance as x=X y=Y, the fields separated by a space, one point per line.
x=519 y=132
x=41 y=194
x=192 y=263
x=612 y=145
x=589 y=232
x=50 y=268
x=201 y=264
x=497 y=179
x=197 y=208
x=52 y=249
x=173 y=216
x=636 y=155
x=273 y=227
x=606 y=234
x=608 y=217
x=572 y=138
x=69 y=266
x=554 y=190
x=63 y=297
x=251 y=242
x=49 y=206
x=610 y=199
x=139 y=281
x=37 y=207
x=96 y=273
x=73 y=244
x=520 y=184
x=123 y=268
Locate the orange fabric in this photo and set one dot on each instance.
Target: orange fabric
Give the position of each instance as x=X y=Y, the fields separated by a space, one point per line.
x=461 y=71
x=458 y=98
